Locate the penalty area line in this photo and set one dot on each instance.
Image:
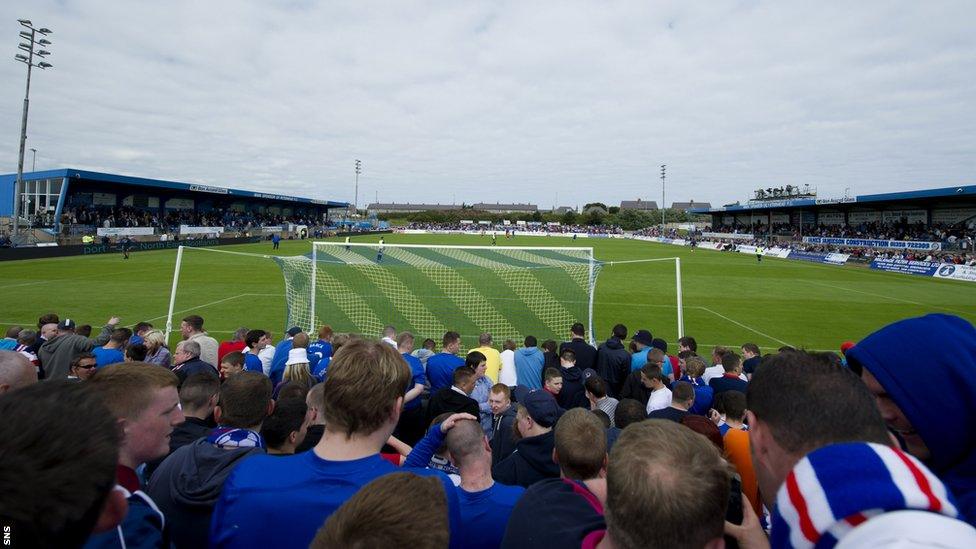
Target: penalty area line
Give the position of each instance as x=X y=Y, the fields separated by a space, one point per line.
x=750 y=328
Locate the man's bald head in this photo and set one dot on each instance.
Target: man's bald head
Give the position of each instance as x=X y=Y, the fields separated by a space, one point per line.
x=49 y=331
x=466 y=442
x=15 y=371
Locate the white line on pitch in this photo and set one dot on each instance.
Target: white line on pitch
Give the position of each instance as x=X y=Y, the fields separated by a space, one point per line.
x=887 y=297
x=93 y=275
x=213 y=303
x=751 y=329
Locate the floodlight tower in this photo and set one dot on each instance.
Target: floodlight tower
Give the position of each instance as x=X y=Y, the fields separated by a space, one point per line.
x=33 y=46
x=663 y=168
x=359 y=170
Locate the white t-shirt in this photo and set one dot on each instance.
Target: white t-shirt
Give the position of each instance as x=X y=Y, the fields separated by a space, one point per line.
x=659 y=399
x=507 y=373
x=718 y=371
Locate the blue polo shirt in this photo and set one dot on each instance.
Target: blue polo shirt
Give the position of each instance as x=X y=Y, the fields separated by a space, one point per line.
x=298 y=493
x=639 y=359
x=104 y=357
x=440 y=370
x=252 y=363
x=416 y=376
x=484 y=514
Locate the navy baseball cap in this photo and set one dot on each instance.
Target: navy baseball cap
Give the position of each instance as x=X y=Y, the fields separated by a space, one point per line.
x=643 y=337
x=540 y=405
x=67 y=324
x=294 y=331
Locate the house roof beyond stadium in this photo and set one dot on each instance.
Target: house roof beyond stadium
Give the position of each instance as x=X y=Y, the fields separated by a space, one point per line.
x=944 y=193
x=73 y=174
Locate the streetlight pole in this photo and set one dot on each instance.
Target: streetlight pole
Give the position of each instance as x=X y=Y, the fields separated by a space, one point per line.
x=33 y=160
x=359 y=169
x=30 y=42
x=663 y=168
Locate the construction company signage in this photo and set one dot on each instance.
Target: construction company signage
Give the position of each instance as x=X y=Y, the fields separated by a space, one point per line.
x=868 y=243
x=125 y=231
x=208 y=189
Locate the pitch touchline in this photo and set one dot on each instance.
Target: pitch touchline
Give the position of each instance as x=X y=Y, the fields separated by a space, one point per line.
x=751 y=329
x=213 y=303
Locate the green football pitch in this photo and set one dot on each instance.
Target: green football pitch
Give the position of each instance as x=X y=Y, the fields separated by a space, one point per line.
x=729 y=298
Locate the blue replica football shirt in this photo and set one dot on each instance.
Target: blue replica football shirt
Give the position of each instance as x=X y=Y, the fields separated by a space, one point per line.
x=484 y=514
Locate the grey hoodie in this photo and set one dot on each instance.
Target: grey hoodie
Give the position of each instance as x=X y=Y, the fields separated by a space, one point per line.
x=187 y=485
x=56 y=354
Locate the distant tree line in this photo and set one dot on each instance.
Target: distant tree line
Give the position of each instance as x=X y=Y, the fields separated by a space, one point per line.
x=599 y=215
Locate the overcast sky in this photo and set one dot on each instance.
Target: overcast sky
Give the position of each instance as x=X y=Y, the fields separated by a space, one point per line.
x=502 y=101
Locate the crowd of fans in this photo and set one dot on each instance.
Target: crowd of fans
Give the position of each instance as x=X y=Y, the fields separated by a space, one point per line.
x=513 y=229
x=951 y=234
x=128 y=216
x=339 y=440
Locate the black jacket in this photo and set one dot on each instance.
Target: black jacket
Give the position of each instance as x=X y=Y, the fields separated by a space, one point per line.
x=633 y=388
x=188 y=432
x=529 y=463
x=554 y=514
x=312 y=437
x=503 y=435
x=573 y=394
x=585 y=353
x=193 y=366
x=448 y=400
x=613 y=365
x=187 y=485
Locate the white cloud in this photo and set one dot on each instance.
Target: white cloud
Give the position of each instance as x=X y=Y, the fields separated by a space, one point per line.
x=504 y=101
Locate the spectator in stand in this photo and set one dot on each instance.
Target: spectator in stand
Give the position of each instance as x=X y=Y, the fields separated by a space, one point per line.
x=660 y=396
x=642 y=340
x=507 y=373
x=732 y=379
x=535 y=416
x=46 y=330
x=363 y=396
x=8 y=343
x=572 y=394
x=389 y=335
x=457 y=397
x=254 y=342
x=482 y=386
x=613 y=360
x=296 y=367
x=135 y=352
x=320 y=352
x=25 y=342
x=549 y=355
x=837 y=463
x=285 y=428
x=15 y=371
x=529 y=362
x=146 y=406
x=628 y=411
x=736 y=445
x=187 y=484
x=232 y=364
x=400 y=506
x=198 y=398
x=441 y=367
x=651 y=463
x=425 y=351
x=277 y=367
x=553 y=382
x=268 y=353
x=931 y=417
x=704 y=395
x=111 y=352
x=316 y=418
x=585 y=353
x=186 y=361
x=82 y=367
x=139 y=332
x=412 y=422
x=236 y=343
x=56 y=353
x=733 y=405
x=502 y=436
x=492 y=357
x=485 y=504
x=192 y=330
x=561 y=512
x=633 y=387
x=57 y=473
x=682 y=398
x=716 y=369
x=595 y=390
x=156 y=351
x=669 y=364
x=752 y=357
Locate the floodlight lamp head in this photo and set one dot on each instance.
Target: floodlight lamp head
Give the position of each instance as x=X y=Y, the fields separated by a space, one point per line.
x=44 y=42
x=42 y=53
x=25 y=34
x=44 y=65
x=21 y=57
x=24 y=22
x=45 y=31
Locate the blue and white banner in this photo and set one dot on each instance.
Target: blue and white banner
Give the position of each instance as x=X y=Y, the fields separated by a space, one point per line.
x=816 y=257
x=125 y=231
x=188 y=229
x=870 y=243
x=956 y=272
x=921 y=268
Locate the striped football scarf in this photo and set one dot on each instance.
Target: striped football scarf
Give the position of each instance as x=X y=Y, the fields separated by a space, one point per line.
x=836 y=488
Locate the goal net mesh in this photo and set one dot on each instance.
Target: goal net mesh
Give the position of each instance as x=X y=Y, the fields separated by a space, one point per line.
x=510 y=292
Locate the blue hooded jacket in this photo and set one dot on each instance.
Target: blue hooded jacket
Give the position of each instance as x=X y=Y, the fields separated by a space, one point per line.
x=528 y=367
x=935 y=387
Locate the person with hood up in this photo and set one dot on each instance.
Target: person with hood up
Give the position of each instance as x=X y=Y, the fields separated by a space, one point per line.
x=535 y=416
x=827 y=471
x=529 y=361
x=613 y=360
x=188 y=483
x=932 y=420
